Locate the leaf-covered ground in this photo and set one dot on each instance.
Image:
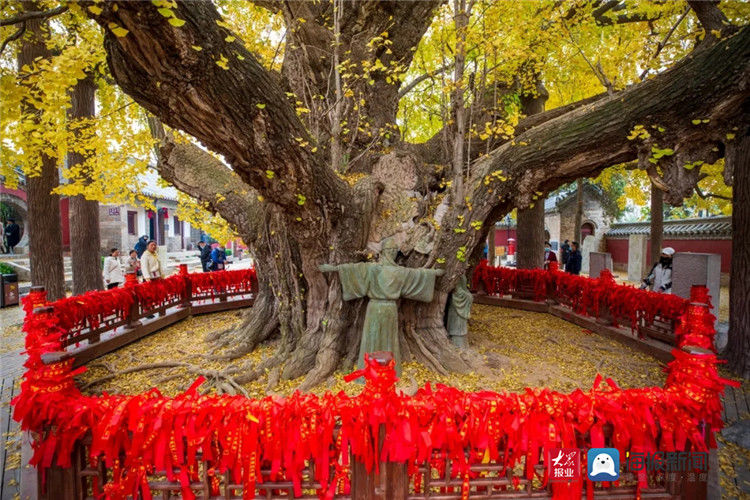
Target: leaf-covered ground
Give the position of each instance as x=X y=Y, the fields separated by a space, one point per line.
x=519 y=349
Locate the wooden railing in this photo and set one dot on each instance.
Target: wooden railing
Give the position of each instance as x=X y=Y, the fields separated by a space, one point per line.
x=126 y=314
x=600 y=299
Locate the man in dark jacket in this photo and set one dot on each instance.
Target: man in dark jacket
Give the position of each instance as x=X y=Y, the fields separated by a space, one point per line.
x=12 y=234
x=564 y=253
x=574 y=260
x=140 y=246
x=205 y=255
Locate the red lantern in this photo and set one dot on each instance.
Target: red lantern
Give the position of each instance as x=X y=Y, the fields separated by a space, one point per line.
x=150 y=214
x=165 y=212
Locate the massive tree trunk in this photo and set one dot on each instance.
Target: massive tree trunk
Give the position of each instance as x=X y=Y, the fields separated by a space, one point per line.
x=657 y=221
x=530 y=221
x=738 y=347
x=309 y=216
x=85 y=252
x=44 y=229
x=530 y=234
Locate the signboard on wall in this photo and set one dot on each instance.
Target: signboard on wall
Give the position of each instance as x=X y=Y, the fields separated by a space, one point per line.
x=114 y=211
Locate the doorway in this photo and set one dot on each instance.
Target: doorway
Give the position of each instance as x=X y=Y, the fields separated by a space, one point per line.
x=587 y=229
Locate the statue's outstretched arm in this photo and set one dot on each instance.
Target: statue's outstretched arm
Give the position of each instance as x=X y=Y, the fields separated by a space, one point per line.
x=328 y=268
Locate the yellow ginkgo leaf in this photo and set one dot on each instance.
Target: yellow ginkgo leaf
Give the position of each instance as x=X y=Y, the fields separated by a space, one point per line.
x=197 y=48
x=95 y=10
x=165 y=12
x=118 y=31
x=175 y=21
x=260 y=105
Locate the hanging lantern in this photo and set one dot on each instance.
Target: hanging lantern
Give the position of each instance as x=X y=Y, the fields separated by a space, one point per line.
x=150 y=214
x=165 y=212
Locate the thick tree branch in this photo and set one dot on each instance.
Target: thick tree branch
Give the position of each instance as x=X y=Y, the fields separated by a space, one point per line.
x=198 y=78
x=712 y=19
x=33 y=14
x=714 y=84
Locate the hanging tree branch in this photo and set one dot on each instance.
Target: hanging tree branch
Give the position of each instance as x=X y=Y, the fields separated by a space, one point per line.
x=33 y=14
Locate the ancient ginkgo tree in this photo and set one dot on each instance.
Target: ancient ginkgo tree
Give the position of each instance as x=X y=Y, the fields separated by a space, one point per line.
x=310 y=167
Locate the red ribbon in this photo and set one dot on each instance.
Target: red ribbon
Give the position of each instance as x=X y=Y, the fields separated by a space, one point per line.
x=140 y=435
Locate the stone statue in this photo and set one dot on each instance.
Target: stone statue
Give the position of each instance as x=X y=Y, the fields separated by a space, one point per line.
x=384 y=283
x=459 y=310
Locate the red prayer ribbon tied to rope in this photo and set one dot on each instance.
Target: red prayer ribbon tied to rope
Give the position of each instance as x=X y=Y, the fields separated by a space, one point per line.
x=216 y=283
x=262 y=440
x=584 y=295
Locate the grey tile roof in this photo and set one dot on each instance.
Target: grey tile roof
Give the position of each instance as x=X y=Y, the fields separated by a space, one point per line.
x=709 y=227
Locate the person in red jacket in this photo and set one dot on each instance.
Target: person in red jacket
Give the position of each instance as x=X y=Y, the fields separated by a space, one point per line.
x=549 y=255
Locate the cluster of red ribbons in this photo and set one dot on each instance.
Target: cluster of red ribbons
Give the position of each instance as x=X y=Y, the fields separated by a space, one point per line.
x=151 y=294
x=212 y=284
x=260 y=440
x=584 y=295
x=90 y=309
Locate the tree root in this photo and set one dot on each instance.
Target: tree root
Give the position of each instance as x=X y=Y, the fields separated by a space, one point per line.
x=427 y=355
x=221 y=380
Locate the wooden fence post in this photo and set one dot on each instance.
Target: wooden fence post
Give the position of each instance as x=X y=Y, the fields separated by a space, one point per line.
x=187 y=298
x=391 y=481
x=131 y=280
x=38 y=297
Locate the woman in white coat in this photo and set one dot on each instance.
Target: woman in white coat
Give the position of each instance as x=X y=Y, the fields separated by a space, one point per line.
x=113 y=274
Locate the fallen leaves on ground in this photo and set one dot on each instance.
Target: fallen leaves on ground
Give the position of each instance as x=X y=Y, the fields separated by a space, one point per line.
x=519 y=349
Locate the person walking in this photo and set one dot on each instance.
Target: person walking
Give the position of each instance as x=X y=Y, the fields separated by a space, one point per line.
x=564 y=253
x=133 y=265
x=660 y=275
x=12 y=235
x=205 y=255
x=141 y=245
x=112 y=273
x=218 y=258
x=150 y=264
x=2 y=237
x=575 y=258
x=549 y=255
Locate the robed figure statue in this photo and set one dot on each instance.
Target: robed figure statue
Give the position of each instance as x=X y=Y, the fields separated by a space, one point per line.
x=383 y=283
x=459 y=310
